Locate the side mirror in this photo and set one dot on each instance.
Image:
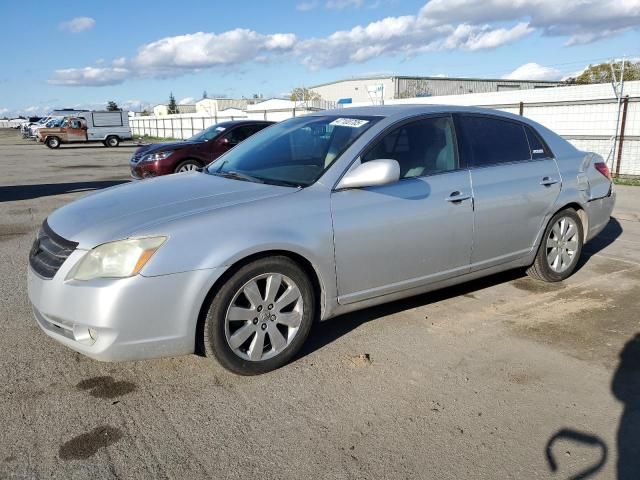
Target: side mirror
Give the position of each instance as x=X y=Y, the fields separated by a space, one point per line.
x=371 y=174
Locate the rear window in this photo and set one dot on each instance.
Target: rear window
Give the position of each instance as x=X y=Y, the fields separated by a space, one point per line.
x=494 y=141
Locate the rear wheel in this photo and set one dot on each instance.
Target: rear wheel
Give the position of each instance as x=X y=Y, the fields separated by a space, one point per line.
x=52 y=142
x=260 y=317
x=559 y=249
x=112 y=141
x=187 y=166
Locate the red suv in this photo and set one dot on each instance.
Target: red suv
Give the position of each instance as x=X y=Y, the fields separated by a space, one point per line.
x=196 y=152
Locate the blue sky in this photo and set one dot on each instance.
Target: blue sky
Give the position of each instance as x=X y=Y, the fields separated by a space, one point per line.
x=65 y=53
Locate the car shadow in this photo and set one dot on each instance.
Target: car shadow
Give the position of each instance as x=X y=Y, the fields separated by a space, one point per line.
x=625 y=386
x=330 y=330
x=606 y=237
x=96 y=145
x=29 y=192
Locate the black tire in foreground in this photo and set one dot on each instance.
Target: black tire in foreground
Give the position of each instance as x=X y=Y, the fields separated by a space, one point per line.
x=560 y=248
x=260 y=317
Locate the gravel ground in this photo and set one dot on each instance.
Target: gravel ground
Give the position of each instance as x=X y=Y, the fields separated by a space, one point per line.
x=499 y=378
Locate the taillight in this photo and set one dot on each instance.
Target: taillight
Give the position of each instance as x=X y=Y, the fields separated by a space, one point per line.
x=603 y=169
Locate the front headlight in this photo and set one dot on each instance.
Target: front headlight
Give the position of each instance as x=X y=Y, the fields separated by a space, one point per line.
x=152 y=157
x=120 y=259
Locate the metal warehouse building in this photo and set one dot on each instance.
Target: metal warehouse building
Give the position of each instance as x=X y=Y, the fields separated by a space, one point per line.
x=377 y=88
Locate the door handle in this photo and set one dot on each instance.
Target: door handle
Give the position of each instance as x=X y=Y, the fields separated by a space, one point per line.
x=547 y=181
x=457 y=197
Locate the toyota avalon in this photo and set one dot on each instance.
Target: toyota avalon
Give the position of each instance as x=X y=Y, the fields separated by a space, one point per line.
x=311 y=218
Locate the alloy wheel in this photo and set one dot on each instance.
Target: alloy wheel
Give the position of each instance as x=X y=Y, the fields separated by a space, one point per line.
x=264 y=317
x=562 y=244
x=188 y=167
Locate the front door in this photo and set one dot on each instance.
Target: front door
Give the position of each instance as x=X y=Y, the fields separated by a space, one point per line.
x=515 y=185
x=75 y=130
x=410 y=233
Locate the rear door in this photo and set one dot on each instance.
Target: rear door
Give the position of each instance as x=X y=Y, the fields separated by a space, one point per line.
x=515 y=183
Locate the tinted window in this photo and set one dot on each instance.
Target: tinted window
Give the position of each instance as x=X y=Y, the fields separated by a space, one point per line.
x=538 y=149
x=238 y=134
x=421 y=148
x=492 y=140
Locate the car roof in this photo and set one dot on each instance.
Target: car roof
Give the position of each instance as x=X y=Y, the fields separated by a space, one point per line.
x=233 y=123
x=408 y=110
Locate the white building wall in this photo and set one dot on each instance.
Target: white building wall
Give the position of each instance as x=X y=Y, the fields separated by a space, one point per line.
x=354 y=89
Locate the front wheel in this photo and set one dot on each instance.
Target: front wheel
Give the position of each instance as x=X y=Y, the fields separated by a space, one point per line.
x=560 y=248
x=260 y=317
x=52 y=142
x=187 y=166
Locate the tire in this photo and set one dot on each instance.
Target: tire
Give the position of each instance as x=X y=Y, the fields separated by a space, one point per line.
x=187 y=166
x=52 y=142
x=235 y=326
x=560 y=248
x=112 y=141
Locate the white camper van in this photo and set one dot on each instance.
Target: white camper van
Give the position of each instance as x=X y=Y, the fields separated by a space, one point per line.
x=106 y=127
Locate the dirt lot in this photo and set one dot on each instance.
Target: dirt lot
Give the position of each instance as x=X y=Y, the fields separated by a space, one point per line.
x=500 y=378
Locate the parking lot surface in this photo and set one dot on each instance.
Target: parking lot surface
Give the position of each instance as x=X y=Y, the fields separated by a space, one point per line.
x=504 y=377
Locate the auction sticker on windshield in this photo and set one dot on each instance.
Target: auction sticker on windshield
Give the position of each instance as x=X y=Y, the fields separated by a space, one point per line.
x=349 y=122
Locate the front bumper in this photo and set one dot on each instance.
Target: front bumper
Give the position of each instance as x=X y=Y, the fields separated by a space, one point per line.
x=132 y=318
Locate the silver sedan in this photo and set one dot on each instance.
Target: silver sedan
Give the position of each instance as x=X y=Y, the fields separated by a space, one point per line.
x=311 y=218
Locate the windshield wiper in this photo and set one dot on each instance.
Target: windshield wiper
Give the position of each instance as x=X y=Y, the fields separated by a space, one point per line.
x=283 y=183
x=238 y=176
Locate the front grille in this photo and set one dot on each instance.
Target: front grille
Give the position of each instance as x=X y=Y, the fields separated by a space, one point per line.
x=49 y=251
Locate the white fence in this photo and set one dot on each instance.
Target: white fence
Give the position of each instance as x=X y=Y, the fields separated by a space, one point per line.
x=188 y=124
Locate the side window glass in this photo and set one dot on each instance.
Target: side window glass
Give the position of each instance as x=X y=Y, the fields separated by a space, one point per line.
x=538 y=150
x=423 y=147
x=237 y=135
x=493 y=140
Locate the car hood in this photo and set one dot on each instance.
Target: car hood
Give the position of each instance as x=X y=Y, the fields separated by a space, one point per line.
x=139 y=207
x=157 y=147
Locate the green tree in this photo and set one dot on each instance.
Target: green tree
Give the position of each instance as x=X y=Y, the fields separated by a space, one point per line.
x=172 y=107
x=145 y=113
x=601 y=73
x=302 y=94
x=205 y=95
x=112 y=106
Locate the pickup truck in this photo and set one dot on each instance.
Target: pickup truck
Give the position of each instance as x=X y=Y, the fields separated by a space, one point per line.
x=109 y=128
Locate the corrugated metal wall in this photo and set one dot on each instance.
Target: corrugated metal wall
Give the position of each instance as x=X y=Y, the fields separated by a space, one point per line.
x=408 y=87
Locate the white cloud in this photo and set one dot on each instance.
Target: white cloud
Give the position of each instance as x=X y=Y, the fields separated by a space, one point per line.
x=206 y=50
x=439 y=25
x=90 y=76
x=582 y=21
x=534 y=71
x=78 y=24
x=307 y=6
x=342 y=4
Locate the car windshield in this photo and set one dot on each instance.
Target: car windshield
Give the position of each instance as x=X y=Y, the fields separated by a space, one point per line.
x=295 y=152
x=56 y=122
x=207 y=134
